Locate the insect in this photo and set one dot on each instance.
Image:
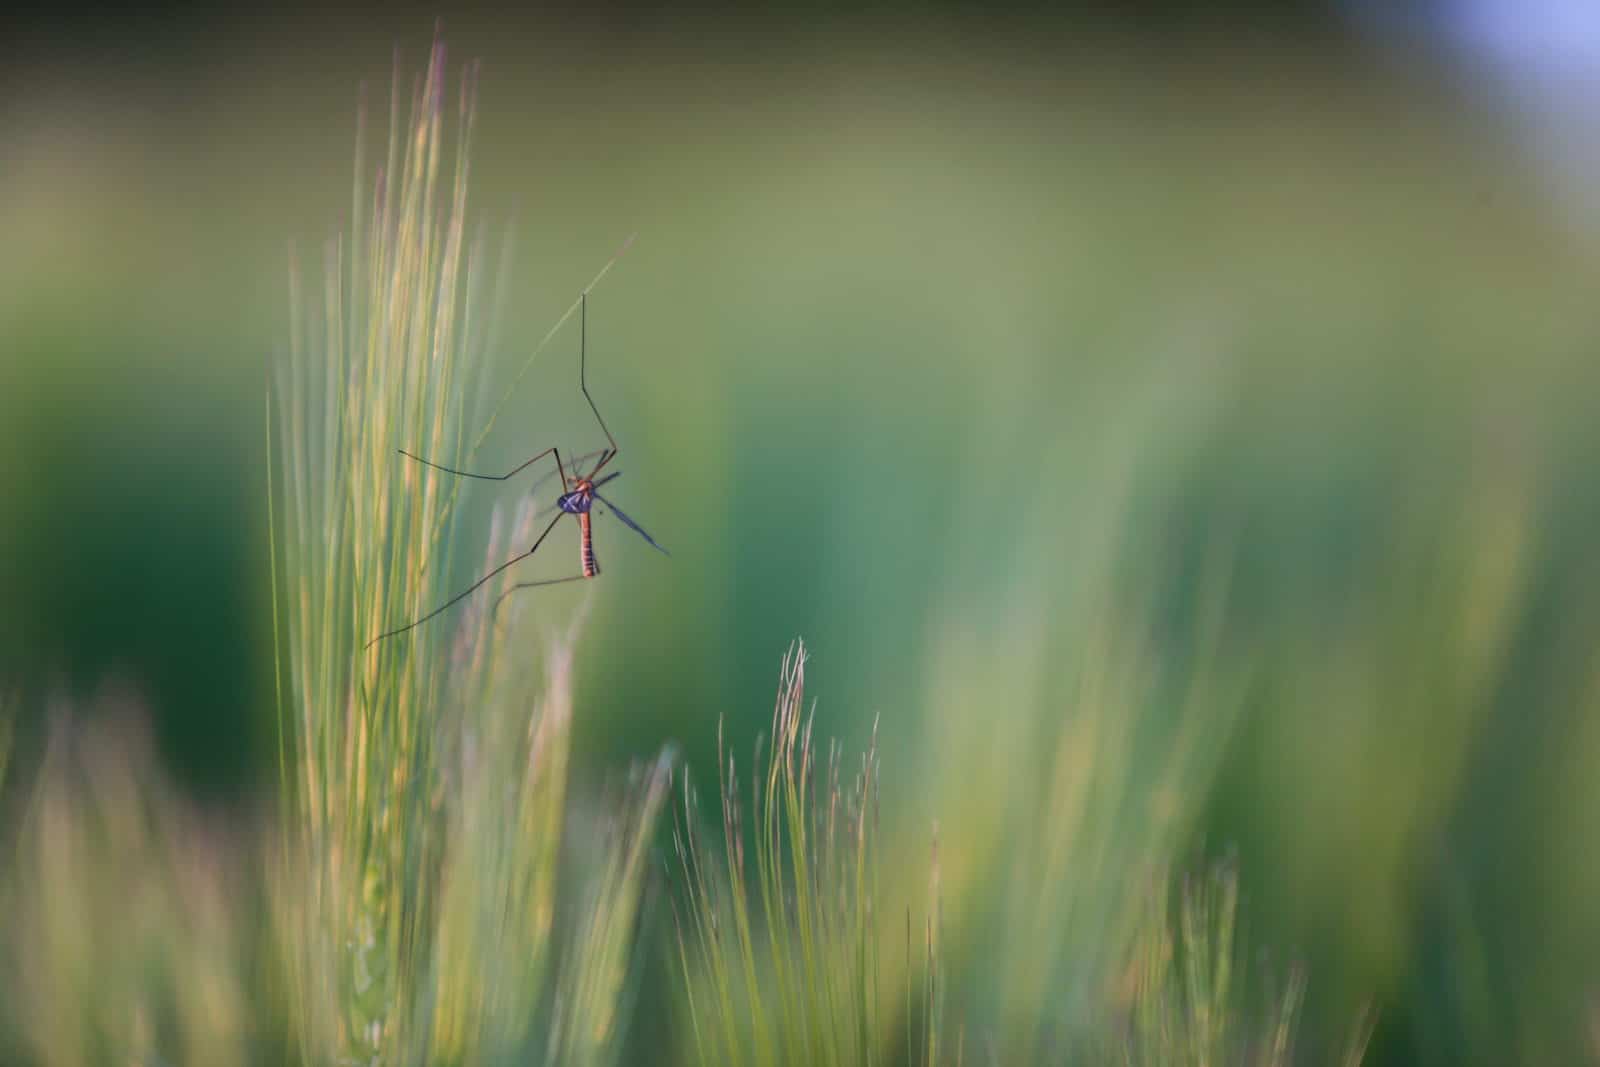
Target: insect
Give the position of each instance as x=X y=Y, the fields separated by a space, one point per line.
x=580 y=494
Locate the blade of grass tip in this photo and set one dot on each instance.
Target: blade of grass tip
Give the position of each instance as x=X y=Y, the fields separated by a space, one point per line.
x=910 y=1044
x=1288 y=1013
x=277 y=652
x=7 y=712
x=688 y=981
x=357 y=214
x=1360 y=1036
x=334 y=331
x=928 y=994
x=699 y=906
x=296 y=428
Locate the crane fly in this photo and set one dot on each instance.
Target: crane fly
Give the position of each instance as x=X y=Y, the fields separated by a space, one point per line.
x=580 y=493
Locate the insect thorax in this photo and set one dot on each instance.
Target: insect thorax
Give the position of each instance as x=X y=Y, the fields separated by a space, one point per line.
x=576 y=502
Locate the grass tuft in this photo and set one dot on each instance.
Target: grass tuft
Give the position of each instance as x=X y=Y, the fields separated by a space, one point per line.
x=780 y=918
x=778 y=922
x=121 y=942
x=427 y=796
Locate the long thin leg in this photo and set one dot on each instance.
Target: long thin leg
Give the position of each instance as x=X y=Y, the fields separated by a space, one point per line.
x=583 y=380
x=469 y=590
x=531 y=585
x=492 y=477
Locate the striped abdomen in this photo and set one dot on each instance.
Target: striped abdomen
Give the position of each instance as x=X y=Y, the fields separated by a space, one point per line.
x=591 y=566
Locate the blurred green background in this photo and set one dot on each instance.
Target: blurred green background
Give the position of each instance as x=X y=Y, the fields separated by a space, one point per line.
x=924 y=313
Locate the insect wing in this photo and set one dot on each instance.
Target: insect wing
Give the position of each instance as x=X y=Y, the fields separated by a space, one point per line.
x=543 y=509
x=619 y=513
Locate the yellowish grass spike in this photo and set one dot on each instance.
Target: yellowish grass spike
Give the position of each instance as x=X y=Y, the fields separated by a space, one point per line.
x=429 y=803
